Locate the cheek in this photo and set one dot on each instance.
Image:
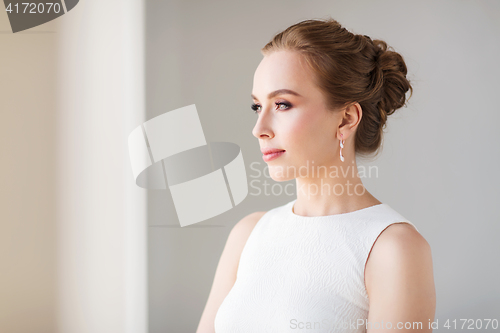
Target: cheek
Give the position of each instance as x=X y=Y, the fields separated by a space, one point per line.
x=311 y=136
x=307 y=132
x=303 y=135
x=299 y=130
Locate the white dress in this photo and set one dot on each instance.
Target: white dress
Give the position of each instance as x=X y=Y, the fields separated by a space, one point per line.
x=299 y=273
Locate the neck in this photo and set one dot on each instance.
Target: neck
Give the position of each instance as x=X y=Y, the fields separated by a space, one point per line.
x=332 y=190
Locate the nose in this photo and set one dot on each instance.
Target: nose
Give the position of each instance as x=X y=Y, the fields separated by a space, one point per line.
x=262 y=128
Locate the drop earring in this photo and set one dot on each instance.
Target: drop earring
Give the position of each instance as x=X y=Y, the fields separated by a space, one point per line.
x=341 y=146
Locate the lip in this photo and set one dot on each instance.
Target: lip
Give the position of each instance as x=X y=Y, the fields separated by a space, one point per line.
x=266 y=151
x=270 y=154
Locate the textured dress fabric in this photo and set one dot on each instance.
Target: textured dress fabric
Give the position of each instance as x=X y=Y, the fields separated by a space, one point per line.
x=299 y=273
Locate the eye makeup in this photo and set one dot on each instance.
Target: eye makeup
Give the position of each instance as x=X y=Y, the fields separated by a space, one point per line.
x=255 y=107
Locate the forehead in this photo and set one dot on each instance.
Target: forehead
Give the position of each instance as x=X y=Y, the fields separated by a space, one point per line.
x=282 y=70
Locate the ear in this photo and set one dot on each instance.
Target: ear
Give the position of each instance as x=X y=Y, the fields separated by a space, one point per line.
x=351 y=116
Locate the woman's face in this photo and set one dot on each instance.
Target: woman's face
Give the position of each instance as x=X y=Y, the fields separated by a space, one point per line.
x=298 y=123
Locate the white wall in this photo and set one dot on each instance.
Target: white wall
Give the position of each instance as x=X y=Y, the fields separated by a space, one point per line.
x=101 y=212
x=28 y=228
x=72 y=220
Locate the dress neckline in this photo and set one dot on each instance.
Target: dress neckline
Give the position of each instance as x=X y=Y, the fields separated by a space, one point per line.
x=290 y=205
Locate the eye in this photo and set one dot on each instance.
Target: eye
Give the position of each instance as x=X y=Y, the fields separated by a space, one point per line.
x=283 y=103
x=255 y=107
x=280 y=105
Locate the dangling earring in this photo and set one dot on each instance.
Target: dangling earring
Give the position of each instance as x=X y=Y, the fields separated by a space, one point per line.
x=341 y=146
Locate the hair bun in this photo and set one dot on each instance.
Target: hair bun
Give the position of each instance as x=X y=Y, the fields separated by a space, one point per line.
x=392 y=69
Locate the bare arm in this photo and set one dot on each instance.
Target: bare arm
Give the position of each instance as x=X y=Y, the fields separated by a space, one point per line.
x=225 y=274
x=400 y=282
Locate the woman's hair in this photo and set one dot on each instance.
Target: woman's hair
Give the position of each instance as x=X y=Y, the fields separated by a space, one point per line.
x=350 y=68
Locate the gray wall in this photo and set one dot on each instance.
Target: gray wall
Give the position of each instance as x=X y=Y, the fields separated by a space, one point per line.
x=440 y=159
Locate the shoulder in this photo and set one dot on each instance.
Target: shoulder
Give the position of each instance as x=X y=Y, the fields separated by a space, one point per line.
x=246 y=224
x=400 y=238
x=400 y=254
x=242 y=230
x=238 y=237
x=226 y=272
x=399 y=277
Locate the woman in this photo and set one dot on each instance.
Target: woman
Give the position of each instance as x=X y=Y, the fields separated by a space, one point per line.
x=336 y=259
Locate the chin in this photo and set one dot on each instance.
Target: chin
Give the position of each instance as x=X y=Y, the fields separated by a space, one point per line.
x=279 y=173
x=280 y=178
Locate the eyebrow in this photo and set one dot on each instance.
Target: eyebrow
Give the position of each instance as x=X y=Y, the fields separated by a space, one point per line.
x=279 y=92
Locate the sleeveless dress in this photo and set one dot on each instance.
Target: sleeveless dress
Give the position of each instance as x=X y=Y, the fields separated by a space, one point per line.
x=299 y=273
